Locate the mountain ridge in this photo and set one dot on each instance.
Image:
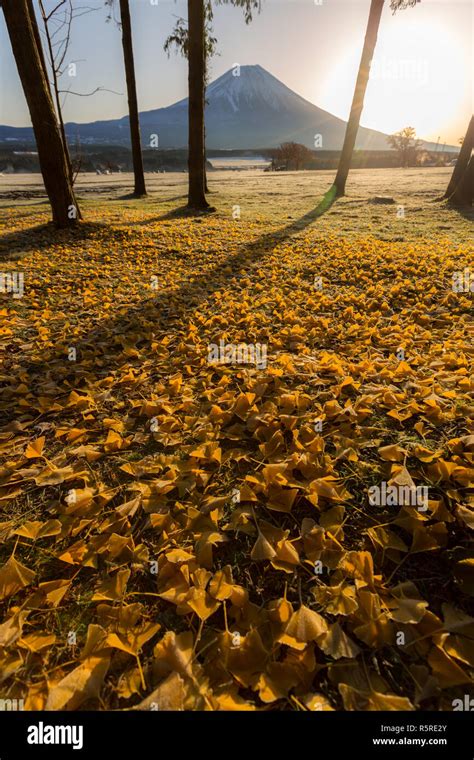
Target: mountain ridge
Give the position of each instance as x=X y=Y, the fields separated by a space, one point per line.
x=247 y=107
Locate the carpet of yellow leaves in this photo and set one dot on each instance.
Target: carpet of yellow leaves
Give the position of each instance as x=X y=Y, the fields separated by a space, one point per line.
x=181 y=535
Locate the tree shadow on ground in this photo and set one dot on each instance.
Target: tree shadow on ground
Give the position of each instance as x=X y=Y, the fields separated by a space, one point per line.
x=467 y=212
x=148 y=198
x=20 y=243
x=182 y=212
x=157 y=314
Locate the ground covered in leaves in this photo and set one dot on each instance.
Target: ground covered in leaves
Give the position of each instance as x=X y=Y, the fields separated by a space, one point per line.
x=177 y=534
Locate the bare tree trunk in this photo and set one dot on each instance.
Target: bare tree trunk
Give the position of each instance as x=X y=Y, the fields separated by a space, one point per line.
x=30 y=63
x=54 y=73
x=206 y=186
x=196 y=81
x=463 y=194
x=127 y=44
x=352 y=128
x=31 y=11
x=463 y=160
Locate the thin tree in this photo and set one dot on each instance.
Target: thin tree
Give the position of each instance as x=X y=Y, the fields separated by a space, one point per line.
x=56 y=70
x=196 y=85
x=127 y=44
x=198 y=43
x=57 y=27
x=376 y=8
x=375 y=14
x=129 y=61
x=180 y=39
x=463 y=160
x=28 y=54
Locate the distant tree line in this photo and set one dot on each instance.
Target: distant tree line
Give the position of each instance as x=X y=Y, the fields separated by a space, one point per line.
x=118 y=158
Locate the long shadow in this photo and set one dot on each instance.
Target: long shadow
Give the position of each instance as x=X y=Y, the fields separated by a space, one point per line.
x=182 y=212
x=15 y=245
x=155 y=314
x=465 y=211
x=148 y=198
x=175 y=213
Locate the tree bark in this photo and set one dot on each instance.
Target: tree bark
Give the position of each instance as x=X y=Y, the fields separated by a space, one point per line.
x=140 y=188
x=54 y=74
x=463 y=160
x=196 y=83
x=52 y=158
x=464 y=191
x=36 y=32
x=352 y=128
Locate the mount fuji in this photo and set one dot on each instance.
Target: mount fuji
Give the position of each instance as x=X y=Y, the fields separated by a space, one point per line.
x=246 y=108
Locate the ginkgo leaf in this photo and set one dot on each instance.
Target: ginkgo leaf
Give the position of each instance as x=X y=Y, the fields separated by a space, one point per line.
x=373 y=700
x=230 y=702
x=221 y=585
x=337 y=600
x=54 y=591
x=202 y=603
x=52 y=476
x=113 y=588
x=317 y=703
x=169 y=695
x=114 y=441
x=13 y=577
x=262 y=549
x=337 y=644
x=466 y=515
x=276 y=682
x=447 y=670
x=11 y=629
x=35 y=642
x=392 y=453
x=78 y=686
x=34 y=450
x=175 y=653
x=116 y=642
x=306 y=625
x=35 y=529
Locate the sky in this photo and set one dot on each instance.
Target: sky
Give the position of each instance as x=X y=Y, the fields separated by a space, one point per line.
x=422 y=72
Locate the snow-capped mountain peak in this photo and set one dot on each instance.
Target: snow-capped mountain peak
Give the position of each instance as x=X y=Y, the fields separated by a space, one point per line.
x=247 y=86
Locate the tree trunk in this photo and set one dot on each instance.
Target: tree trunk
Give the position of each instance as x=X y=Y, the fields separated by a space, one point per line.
x=54 y=73
x=196 y=81
x=206 y=186
x=36 y=32
x=52 y=159
x=463 y=194
x=463 y=160
x=352 y=128
x=127 y=44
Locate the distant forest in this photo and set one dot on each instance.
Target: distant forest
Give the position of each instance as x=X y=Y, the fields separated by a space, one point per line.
x=22 y=158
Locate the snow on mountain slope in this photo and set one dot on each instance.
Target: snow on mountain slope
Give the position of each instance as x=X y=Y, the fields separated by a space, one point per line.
x=250 y=108
x=250 y=86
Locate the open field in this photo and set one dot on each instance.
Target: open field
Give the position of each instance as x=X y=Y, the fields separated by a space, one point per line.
x=283 y=199
x=184 y=534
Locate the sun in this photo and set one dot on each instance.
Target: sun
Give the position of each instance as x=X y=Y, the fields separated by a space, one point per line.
x=417 y=79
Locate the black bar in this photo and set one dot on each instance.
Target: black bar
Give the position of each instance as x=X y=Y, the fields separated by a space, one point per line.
x=134 y=734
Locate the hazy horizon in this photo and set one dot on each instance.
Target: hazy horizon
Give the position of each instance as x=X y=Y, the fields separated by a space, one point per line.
x=417 y=76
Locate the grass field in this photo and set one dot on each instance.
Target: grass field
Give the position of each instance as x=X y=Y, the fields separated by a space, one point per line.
x=281 y=198
x=180 y=533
